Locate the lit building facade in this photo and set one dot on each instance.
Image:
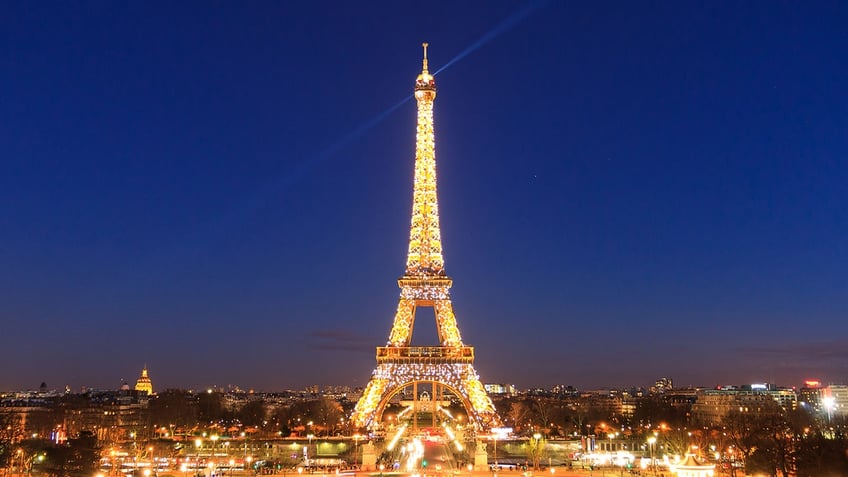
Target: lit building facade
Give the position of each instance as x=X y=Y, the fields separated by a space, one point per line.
x=144 y=384
x=835 y=400
x=713 y=405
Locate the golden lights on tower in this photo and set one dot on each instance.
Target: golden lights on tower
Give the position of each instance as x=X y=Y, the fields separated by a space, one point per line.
x=425 y=283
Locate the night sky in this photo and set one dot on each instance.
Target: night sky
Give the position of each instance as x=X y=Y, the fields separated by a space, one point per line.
x=222 y=190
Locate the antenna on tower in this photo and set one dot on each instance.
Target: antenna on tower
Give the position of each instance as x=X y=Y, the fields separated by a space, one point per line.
x=425 y=45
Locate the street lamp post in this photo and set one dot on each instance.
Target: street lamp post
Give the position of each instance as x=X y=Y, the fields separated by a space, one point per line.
x=112 y=469
x=651 y=441
x=495 y=454
x=214 y=438
x=152 y=455
x=356 y=438
x=198 y=443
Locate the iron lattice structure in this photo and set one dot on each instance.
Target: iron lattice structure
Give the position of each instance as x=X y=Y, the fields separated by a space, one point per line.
x=425 y=284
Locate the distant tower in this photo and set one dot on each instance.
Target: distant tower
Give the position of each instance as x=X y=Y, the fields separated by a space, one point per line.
x=144 y=384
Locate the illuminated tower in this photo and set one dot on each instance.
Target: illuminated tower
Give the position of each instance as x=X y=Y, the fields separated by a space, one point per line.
x=425 y=284
x=144 y=384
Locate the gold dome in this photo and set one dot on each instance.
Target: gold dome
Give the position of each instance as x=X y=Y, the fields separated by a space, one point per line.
x=144 y=384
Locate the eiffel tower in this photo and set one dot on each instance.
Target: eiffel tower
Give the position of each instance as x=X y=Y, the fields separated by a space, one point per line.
x=425 y=284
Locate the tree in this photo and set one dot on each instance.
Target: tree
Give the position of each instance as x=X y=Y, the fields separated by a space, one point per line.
x=517 y=414
x=252 y=414
x=653 y=409
x=10 y=432
x=744 y=431
x=281 y=418
x=536 y=449
x=579 y=418
x=819 y=456
x=210 y=407
x=676 y=441
x=543 y=409
x=328 y=412
x=173 y=406
x=77 y=458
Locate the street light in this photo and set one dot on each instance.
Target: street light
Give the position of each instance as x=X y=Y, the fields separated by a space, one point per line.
x=214 y=438
x=651 y=441
x=152 y=456
x=356 y=438
x=198 y=443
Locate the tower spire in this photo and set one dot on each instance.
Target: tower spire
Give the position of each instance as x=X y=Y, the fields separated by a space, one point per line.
x=424 y=68
x=424 y=259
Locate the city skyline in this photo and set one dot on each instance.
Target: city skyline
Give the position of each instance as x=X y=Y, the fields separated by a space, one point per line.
x=662 y=384
x=223 y=192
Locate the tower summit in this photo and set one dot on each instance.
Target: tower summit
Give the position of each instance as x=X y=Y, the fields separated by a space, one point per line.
x=447 y=367
x=425 y=84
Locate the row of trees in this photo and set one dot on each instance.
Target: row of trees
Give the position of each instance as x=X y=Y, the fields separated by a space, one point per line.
x=568 y=417
x=769 y=441
x=78 y=457
x=320 y=416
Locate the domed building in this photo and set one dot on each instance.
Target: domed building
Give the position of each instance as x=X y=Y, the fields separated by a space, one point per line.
x=144 y=384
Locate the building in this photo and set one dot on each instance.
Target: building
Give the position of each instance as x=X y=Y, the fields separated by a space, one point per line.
x=835 y=400
x=498 y=388
x=663 y=384
x=713 y=405
x=810 y=396
x=144 y=384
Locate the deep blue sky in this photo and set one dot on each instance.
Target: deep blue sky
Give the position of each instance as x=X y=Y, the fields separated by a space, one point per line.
x=627 y=190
